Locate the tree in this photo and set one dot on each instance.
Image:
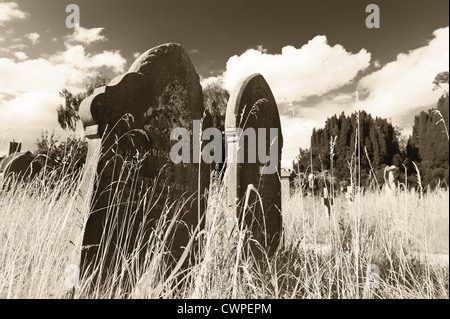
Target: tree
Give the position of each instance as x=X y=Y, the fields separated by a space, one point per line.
x=441 y=78
x=377 y=136
x=68 y=112
x=70 y=153
x=215 y=98
x=428 y=146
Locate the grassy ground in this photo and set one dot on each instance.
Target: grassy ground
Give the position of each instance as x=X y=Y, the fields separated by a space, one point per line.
x=404 y=240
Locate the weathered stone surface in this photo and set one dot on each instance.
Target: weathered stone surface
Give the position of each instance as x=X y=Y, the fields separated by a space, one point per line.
x=285 y=187
x=22 y=165
x=14 y=147
x=252 y=105
x=136 y=180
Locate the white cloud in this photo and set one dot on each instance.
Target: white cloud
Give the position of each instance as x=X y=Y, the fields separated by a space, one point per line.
x=296 y=133
x=313 y=69
x=67 y=69
x=212 y=79
x=406 y=83
x=10 y=11
x=18 y=46
x=76 y=57
x=297 y=73
x=29 y=88
x=21 y=56
x=27 y=115
x=33 y=37
x=35 y=106
x=86 y=36
x=136 y=55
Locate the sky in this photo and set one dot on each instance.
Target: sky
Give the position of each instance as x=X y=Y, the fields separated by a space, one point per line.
x=315 y=55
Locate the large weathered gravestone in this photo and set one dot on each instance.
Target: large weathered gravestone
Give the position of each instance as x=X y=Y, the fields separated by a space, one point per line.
x=130 y=121
x=254 y=161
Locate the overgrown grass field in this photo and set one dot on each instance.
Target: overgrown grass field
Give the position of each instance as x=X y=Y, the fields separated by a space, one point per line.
x=403 y=239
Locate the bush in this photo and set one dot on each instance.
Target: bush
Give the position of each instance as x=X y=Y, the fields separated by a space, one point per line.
x=69 y=155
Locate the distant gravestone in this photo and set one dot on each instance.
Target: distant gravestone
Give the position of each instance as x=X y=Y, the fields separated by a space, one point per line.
x=128 y=126
x=328 y=202
x=390 y=184
x=14 y=147
x=22 y=166
x=252 y=107
x=285 y=187
x=349 y=194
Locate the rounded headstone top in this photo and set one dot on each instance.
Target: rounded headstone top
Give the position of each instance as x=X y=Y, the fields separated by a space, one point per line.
x=245 y=94
x=143 y=63
x=170 y=63
x=160 y=71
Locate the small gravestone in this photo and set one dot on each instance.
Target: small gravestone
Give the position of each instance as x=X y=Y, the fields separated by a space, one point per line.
x=285 y=187
x=128 y=126
x=311 y=183
x=349 y=194
x=390 y=184
x=254 y=142
x=14 y=147
x=22 y=166
x=327 y=202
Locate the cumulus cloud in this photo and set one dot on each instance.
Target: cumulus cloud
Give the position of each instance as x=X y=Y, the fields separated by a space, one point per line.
x=319 y=80
x=20 y=56
x=26 y=115
x=406 y=83
x=77 y=57
x=67 y=69
x=10 y=11
x=296 y=133
x=23 y=109
x=314 y=69
x=33 y=37
x=17 y=46
x=295 y=74
x=212 y=79
x=86 y=36
x=29 y=88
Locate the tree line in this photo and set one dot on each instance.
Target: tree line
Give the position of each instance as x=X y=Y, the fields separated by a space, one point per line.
x=338 y=148
x=342 y=145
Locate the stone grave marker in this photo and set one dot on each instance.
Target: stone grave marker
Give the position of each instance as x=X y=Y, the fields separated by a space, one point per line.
x=349 y=194
x=252 y=106
x=285 y=187
x=327 y=202
x=128 y=126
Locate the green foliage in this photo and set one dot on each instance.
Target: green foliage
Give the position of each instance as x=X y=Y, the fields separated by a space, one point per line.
x=377 y=136
x=441 y=78
x=428 y=144
x=215 y=98
x=70 y=153
x=68 y=113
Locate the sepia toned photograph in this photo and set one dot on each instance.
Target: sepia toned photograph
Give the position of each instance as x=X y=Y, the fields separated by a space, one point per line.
x=224 y=150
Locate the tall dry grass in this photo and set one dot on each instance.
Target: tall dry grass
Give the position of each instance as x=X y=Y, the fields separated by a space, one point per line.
x=405 y=236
